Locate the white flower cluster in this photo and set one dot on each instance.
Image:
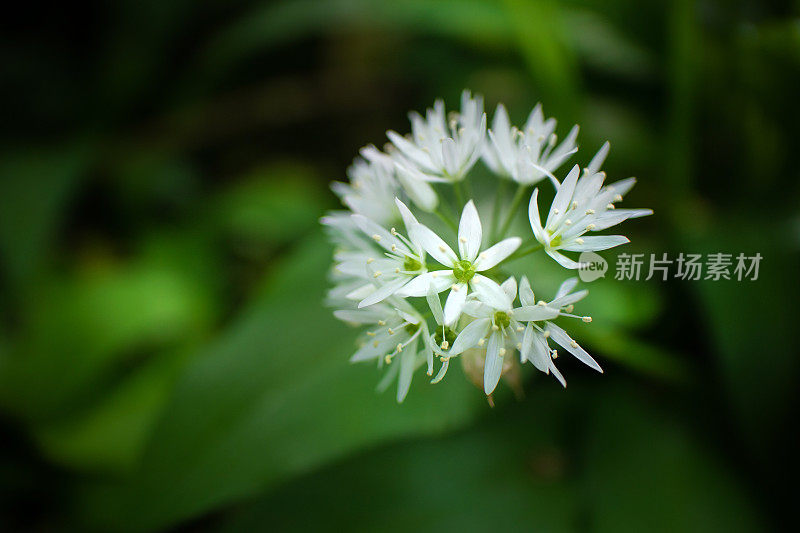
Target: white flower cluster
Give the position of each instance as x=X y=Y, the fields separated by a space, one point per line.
x=390 y=281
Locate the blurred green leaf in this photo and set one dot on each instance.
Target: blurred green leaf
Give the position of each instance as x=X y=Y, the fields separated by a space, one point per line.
x=34 y=188
x=271 y=205
x=274 y=397
x=645 y=472
x=510 y=473
x=78 y=329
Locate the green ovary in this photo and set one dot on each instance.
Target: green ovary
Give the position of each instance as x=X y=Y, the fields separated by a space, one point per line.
x=463 y=271
x=411 y=328
x=411 y=264
x=501 y=320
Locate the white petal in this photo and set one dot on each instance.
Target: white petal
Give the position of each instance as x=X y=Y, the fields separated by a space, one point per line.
x=566 y=287
x=563 y=260
x=470 y=232
x=540 y=352
x=442 y=372
x=525 y=292
x=532 y=313
x=560 y=336
x=493 y=366
x=408 y=218
x=407 y=360
x=489 y=292
x=533 y=216
x=557 y=374
x=439 y=279
x=435 y=305
x=598 y=159
x=563 y=197
x=433 y=244
x=420 y=192
x=450 y=156
x=360 y=316
x=470 y=335
x=567 y=299
x=410 y=150
x=497 y=253
x=384 y=238
x=596 y=243
x=510 y=288
x=525 y=351
x=455 y=303
x=383 y=292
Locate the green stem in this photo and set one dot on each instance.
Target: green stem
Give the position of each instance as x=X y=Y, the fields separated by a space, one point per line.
x=447 y=220
x=498 y=202
x=512 y=210
x=459 y=193
x=526 y=251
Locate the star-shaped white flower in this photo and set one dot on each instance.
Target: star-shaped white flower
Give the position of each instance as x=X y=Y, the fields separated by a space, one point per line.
x=529 y=155
x=464 y=267
x=502 y=327
x=404 y=258
x=397 y=333
x=440 y=151
x=582 y=205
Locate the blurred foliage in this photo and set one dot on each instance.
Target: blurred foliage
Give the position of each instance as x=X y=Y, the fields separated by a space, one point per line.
x=165 y=358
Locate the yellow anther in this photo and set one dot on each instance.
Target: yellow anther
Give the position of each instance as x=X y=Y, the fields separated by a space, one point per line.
x=375 y=344
x=568 y=222
x=390 y=330
x=618 y=198
x=590 y=211
x=462 y=239
x=393 y=231
x=481 y=342
x=371 y=333
x=555 y=354
x=610 y=206
x=399 y=347
x=394 y=247
x=590 y=227
x=546 y=334
x=442 y=248
x=381 y=322
x=587 y=319
x=573 y=344
x=502 y=352
x=579 y=240
x=520 y=328
x=376 y=274
x=376 y=237
x=495 y=327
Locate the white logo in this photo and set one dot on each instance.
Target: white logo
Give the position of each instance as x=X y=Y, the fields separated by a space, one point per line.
x=592 y=267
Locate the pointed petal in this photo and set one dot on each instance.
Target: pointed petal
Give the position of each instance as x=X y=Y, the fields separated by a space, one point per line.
x=568 y=343
x=567 y=299
x=563 y=197
x=442 y=372
x=435 y=305
x=383 y=292
x=433 y=244
x=493 y=366
x=566 y=287
x=563 y=260
x=497 y=253
x=489 y=292
x=599 y=158
x=420 y=192
x=532 y=313
x=455 y=303
x=380 y=235
x=470 y=232
x=470 y=335
x=525 y=292
x=509 y=286
x=596 y=243
x=540 y=356
x=408 y=218
x=533 y=216
x=418 y=286
x=407 y=360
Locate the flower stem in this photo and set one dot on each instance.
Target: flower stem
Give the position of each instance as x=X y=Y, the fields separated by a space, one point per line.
x=498 y=202
x=459 y=193
x=512 y=210
x=524 y=252
x=447 y=220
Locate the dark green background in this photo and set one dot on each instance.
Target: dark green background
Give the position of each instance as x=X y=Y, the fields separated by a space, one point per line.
x=165 y=360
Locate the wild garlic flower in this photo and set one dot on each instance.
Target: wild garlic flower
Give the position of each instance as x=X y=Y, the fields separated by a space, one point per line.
x=529 y=155
x=462 y=274
x=441 y=148
x=394 y=252
x=582 y=205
